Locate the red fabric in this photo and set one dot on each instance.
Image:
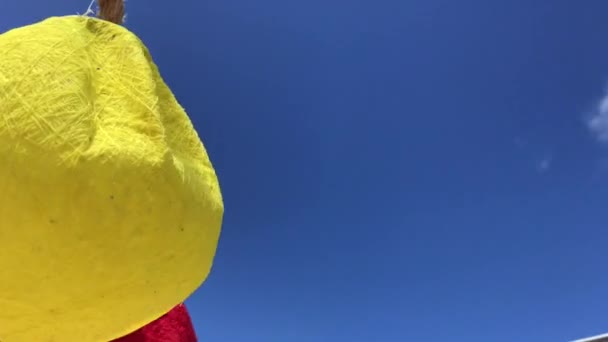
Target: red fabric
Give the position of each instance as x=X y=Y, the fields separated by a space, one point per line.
x=175 y=326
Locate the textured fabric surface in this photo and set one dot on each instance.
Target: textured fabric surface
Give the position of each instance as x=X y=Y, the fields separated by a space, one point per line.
x=110 y=210
x=175 y=326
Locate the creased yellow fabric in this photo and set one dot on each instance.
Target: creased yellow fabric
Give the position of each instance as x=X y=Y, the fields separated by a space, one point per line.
x=110 y=210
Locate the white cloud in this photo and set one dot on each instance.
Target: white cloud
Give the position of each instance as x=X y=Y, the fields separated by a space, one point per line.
x=598 y=122
x=544 y=164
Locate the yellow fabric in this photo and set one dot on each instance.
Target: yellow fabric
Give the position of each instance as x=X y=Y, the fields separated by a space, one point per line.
x=110 y=210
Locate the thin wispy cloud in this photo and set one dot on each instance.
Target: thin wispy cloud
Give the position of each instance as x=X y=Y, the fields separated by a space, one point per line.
x=598 y=121
x=544 y=164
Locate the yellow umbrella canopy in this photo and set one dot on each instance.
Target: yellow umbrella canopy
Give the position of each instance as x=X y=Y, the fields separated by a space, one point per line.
x=110 y=210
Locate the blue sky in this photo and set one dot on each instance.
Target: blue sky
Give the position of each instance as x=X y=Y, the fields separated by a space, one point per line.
x=393 y=170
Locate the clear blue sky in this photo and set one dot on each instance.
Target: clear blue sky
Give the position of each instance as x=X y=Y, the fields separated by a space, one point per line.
x=393 y=170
